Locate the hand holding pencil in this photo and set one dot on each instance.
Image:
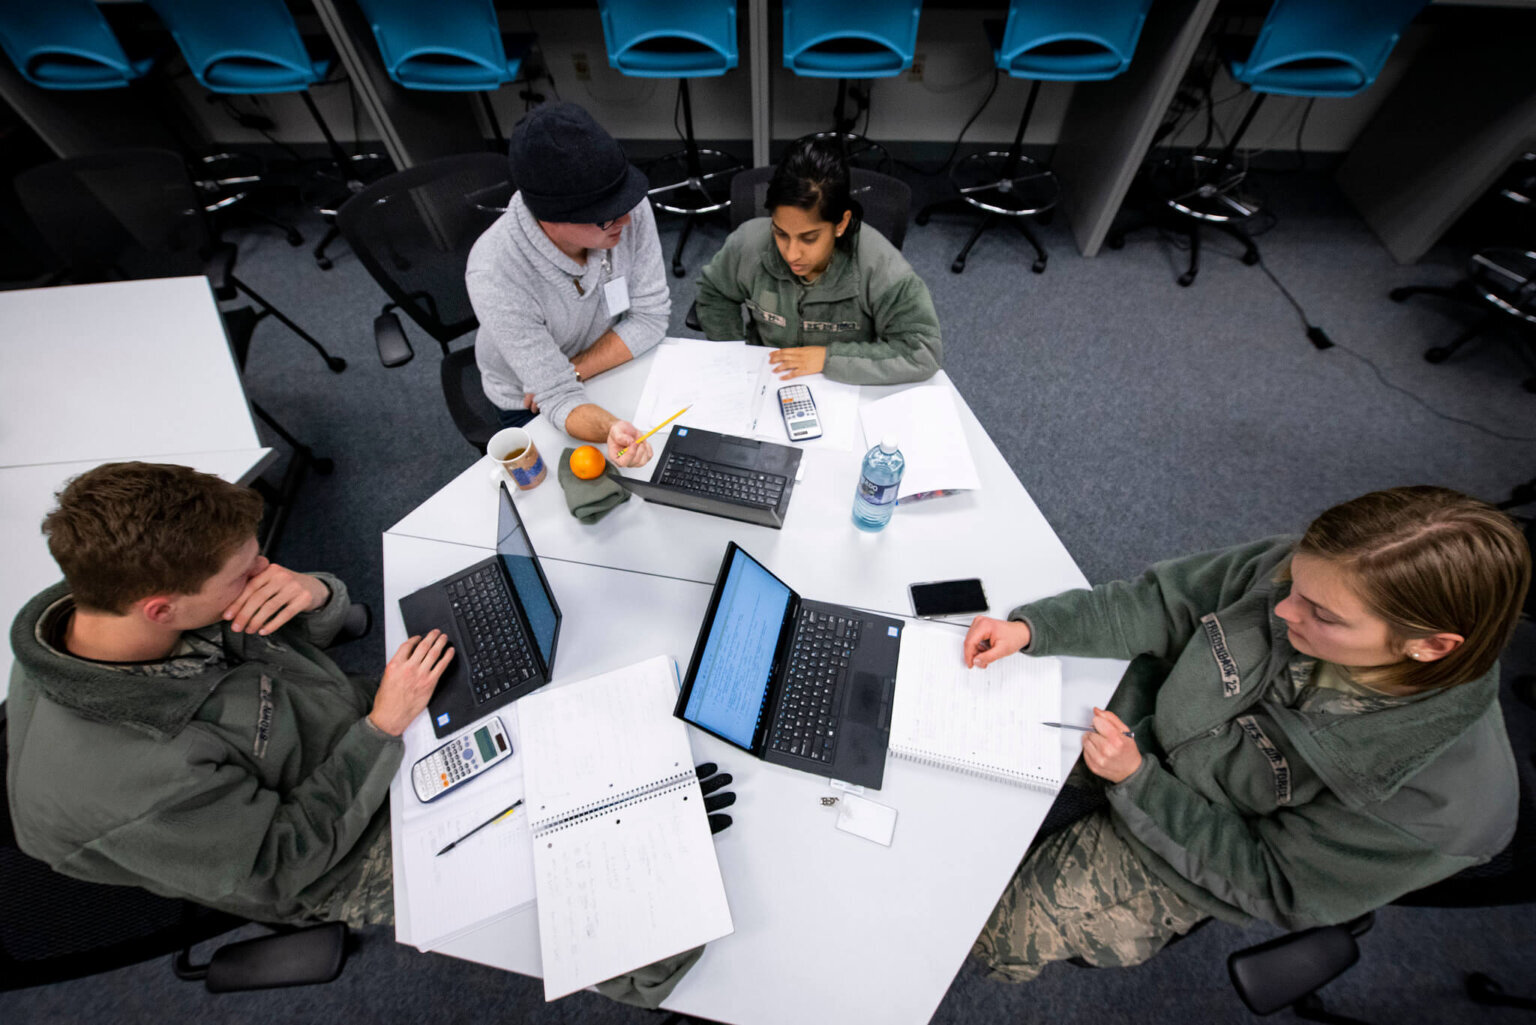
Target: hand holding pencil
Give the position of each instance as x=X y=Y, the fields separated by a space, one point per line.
x=625 y=445
x=653 y=430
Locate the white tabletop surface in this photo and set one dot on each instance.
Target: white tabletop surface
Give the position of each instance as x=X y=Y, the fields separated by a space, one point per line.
x=27 y=495
x=828 y=927
x=818 y=552
x=130 y=369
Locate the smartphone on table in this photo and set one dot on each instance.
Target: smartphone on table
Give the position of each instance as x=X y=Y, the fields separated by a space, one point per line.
x=940 y=598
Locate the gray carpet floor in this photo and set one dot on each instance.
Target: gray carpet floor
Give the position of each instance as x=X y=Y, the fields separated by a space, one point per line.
x=1145 y=419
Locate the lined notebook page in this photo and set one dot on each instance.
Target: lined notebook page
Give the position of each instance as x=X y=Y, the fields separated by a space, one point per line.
x=627 y=887
x=987 y=722
x=601 y=740
x=623 y=860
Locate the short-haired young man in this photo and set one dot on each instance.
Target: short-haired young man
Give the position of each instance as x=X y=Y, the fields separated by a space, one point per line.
x=569 y=281
x=174 y=723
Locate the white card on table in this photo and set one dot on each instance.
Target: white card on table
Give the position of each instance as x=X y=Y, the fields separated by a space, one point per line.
x=868 y=819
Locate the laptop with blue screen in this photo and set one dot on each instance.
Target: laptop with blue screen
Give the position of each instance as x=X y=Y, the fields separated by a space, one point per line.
x=796 y=682
x=502 y=619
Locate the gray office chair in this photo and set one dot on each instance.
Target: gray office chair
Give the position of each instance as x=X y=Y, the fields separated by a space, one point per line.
x=413 y=230
x=884 y=204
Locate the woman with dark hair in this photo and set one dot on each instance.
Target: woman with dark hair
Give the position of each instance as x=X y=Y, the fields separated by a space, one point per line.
x=830 y=294
x=1308 y=730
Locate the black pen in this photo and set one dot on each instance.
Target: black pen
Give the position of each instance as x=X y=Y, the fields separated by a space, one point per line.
x=1081 y=729
x=487 y=822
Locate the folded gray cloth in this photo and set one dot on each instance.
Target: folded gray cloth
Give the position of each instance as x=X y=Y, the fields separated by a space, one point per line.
x=590 y=500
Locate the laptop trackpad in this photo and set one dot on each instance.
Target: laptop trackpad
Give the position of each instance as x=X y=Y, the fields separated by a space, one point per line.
x=864 y=703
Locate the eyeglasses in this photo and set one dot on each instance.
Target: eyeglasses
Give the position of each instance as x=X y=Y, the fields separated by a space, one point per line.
x=605 y=225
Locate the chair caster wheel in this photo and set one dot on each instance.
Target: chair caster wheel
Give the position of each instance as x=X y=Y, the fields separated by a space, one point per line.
x=921 y=218
x=323 y=263
x=322 y=464
x=295 y=239
x=679 y=271
x=957 y=267
x=1186 y=279
x=1529 y=384
x=336 y=363
x=1038 y=266
x=1249 y=259
x=1115 y=242
x=1397 y=295
x=1436 y=355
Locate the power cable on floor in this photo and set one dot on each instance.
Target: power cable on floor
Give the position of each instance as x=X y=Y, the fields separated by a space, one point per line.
x=1318 y=337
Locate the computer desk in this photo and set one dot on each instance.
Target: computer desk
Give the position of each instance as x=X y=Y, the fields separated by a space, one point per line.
x=827 y=926
x=100 y=373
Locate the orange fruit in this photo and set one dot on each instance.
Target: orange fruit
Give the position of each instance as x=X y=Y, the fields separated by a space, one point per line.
x=587 y=463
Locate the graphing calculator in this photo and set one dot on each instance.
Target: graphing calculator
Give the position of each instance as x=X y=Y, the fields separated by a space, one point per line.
x=799 y=411
x=460 y=760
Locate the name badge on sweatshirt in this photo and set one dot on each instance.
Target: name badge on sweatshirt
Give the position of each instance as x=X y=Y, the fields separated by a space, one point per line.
x=616 y=295
x=263 y=718
x=1226 y=665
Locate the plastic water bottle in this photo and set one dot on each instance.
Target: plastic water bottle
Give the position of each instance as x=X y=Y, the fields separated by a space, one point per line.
x=875 y=498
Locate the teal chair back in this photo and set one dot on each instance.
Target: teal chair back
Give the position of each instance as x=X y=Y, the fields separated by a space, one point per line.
x=251 y=46
x=441 y=45
x=1324 y=47
x=850 y=38
x=670 y=38
x=1070 y=42
x=65 y=44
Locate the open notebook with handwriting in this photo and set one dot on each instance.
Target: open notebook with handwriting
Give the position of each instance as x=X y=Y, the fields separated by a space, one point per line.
x=986 y=722
x=623 y=861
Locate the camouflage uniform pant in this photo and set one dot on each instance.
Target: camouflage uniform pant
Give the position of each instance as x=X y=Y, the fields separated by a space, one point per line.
x=371 y=900
x=1081 y=893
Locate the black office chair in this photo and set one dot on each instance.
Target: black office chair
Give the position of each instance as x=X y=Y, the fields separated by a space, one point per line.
x=54 y=928
x=884 y=203
x=1501 y=280
x=413 y=231
x=133 y=214
x=1287 y=971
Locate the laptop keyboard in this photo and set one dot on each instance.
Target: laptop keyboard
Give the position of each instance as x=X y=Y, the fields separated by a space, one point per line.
x=806 y=723
x=498 y=657
x=744 y=487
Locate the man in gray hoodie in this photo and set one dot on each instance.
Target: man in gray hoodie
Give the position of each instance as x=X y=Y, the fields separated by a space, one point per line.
x=569 y=282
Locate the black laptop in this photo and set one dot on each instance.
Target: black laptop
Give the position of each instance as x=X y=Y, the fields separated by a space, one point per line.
x=723 y=475
x=799 y=683
x=502 y=620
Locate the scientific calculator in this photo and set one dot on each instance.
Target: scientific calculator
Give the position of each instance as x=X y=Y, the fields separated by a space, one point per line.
x=460 y=760
x=799 y=409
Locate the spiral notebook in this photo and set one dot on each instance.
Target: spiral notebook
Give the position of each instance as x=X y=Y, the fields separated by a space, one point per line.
x=986 y=722
x=623 y=861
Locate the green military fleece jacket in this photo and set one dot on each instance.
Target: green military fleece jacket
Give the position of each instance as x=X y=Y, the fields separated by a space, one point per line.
x=249 y=781
x=1246 y=805
x=869 y=307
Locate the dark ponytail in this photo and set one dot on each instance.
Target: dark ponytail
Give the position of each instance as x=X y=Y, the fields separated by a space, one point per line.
x=813 y=176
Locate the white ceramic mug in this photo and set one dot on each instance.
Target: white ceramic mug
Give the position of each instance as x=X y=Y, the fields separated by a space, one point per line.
x=514 y=450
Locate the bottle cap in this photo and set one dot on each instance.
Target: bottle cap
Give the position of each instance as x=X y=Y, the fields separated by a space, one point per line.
x=888 y=444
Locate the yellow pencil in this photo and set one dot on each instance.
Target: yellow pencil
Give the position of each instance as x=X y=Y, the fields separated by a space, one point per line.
x=658 y=427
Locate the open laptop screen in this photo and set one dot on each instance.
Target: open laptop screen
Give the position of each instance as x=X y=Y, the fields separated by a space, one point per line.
x=517 y=554
x=735 y=667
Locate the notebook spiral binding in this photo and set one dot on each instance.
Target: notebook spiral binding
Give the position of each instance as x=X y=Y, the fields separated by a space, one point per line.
x=677 y=781
x=971 y=768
